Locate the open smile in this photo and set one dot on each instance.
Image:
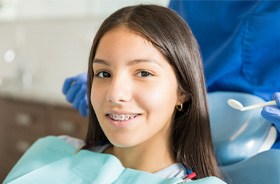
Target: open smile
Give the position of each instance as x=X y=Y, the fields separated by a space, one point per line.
x=122 y=117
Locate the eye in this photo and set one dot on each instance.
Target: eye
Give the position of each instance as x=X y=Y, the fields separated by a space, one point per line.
x=103 y=74
x=144 y=74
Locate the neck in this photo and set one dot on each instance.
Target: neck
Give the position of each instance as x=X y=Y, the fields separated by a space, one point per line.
x=150 y=157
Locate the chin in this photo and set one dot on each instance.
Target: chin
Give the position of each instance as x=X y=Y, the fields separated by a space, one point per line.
x=122 y=143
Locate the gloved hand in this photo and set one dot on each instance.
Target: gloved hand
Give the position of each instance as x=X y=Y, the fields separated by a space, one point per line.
x=272 y=113
x=75 y=90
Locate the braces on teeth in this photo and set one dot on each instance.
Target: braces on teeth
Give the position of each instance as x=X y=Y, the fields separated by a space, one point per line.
x=122 y=117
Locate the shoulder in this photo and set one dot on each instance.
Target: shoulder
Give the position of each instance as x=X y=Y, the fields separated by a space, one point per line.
x=175 y=170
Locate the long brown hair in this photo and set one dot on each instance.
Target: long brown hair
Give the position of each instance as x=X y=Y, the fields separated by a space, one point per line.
x=190 y=142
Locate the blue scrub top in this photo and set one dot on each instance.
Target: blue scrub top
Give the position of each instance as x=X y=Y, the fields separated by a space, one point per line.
x=239 y=42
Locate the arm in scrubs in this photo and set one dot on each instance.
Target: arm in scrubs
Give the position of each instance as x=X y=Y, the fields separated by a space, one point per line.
x=239 y=42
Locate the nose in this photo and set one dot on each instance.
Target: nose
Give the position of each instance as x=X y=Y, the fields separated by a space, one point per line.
x=119 y=91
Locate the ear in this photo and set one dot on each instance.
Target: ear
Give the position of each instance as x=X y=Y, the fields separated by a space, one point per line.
x=182 y=98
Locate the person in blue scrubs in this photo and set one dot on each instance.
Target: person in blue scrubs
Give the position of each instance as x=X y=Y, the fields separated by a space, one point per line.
x=239 y=42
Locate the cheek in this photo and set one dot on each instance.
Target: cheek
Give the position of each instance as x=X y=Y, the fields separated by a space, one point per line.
x=160 y=96
x=96 y=96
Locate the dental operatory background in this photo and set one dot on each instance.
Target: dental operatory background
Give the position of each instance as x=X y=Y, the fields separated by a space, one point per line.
x=42 y=42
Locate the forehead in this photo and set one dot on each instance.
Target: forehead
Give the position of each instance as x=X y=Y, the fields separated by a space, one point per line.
x=126 y=42
x=124 y=46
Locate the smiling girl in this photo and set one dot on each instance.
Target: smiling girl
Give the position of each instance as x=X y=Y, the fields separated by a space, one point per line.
x=147 y=94
x=148 y=119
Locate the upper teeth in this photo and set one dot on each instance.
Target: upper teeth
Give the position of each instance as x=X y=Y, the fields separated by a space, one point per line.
x=122 y=117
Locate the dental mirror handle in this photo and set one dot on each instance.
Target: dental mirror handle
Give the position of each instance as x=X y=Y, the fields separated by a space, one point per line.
x=259 y=105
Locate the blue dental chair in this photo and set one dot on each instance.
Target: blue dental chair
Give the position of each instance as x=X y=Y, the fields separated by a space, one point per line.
x=242 y=141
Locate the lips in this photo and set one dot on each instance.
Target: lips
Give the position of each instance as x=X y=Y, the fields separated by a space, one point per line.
x=122 y=117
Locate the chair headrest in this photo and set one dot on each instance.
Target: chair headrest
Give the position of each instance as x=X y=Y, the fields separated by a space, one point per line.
x=261 y=168
x=237 y=135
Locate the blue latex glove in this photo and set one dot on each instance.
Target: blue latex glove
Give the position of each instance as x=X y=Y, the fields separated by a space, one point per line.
x=75 y=90
x=272 y=113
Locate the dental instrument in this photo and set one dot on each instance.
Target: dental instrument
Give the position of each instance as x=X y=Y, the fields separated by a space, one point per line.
x=237 y=105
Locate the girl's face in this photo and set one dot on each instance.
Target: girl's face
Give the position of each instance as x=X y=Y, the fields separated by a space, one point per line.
x=134 y=89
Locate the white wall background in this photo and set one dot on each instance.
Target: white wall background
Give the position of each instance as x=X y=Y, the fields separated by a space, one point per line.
x=51 y=38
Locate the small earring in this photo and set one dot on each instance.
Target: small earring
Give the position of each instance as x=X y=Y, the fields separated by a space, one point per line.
x=179 y=107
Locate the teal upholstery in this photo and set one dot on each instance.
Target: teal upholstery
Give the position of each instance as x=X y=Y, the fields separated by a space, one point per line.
x=242 y=140
x=236 y=135
x=263 y=168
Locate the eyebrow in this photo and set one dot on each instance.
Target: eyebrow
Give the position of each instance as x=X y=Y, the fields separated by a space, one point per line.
x=132 y=62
